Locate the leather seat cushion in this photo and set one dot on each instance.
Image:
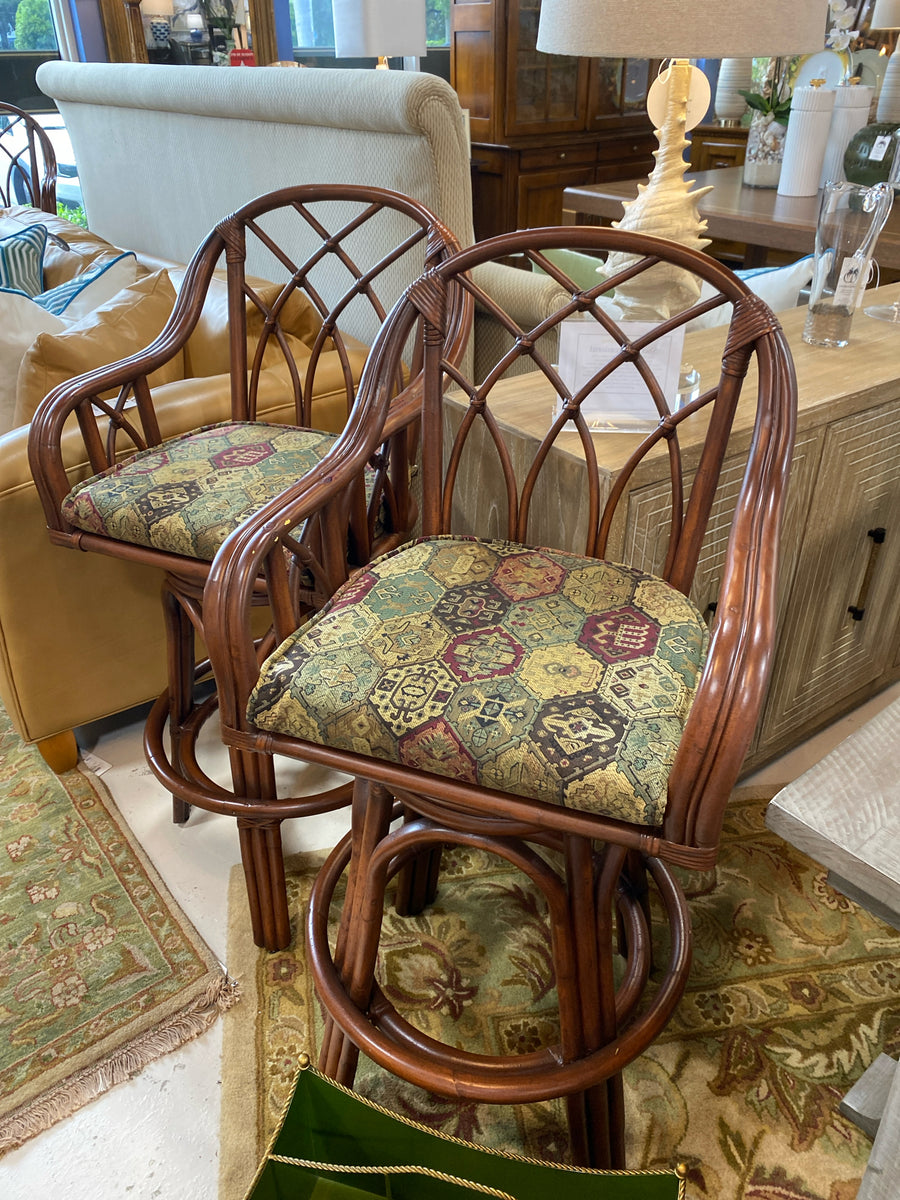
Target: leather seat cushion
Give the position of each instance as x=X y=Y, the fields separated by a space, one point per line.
x=547 y=675
x=187 y=495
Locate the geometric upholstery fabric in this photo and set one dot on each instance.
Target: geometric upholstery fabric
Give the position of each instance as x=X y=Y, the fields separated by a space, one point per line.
x=548 y=675
x=188 y=494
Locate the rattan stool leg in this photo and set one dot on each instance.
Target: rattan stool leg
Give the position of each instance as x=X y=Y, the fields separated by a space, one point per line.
x=263 y=862
x=357 y=941
x=180 y=674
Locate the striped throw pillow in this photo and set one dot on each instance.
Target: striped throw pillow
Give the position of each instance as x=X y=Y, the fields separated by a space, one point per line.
x=22 y=260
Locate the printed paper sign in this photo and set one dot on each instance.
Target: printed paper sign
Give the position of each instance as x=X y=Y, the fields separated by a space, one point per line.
x=851 y=282
x=620 y=402
x=880 y=147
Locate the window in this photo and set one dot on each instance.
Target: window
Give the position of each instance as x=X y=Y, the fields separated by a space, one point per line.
x=312 y=27
x=26 y=25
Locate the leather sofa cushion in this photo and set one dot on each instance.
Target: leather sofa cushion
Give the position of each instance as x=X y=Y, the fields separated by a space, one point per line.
x=125 y=324
x=206 y=351
x=21 y=321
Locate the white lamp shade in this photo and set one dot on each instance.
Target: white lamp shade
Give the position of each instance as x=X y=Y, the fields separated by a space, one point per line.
x=886 y=15
x=675 y=29
x=370 y=28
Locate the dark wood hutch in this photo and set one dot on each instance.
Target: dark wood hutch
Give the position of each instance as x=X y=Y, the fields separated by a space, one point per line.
x=541 y=122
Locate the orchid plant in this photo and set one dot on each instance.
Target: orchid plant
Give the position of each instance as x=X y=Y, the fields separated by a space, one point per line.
x=840 y=35
x=775 y=101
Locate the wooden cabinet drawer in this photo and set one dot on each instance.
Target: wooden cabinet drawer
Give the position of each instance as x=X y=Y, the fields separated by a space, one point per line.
x=616 y=150
x=548 y=157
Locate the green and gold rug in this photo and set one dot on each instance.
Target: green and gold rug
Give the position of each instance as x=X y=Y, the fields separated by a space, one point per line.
x=100 y=973
x=794 y=991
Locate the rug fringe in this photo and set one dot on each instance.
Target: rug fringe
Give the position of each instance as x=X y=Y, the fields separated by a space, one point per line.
x=76 y=1091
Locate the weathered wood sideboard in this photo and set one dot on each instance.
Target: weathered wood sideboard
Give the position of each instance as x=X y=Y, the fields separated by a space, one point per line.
x=839 y=584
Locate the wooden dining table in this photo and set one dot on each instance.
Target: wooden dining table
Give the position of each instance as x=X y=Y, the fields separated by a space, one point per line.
x=758 y=218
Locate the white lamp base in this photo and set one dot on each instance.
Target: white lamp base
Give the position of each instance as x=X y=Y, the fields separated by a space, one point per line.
x=734 y=74
x=666 y=206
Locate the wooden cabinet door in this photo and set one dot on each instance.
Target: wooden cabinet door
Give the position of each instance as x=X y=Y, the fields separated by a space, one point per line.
x=477 y=50
x=545 y=93
x=644 y=537
x=539 y=198
x=828 y=655
x=617 y=91
x=646 y=529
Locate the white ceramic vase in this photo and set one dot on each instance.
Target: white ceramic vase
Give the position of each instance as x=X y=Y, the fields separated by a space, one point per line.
x=734 y=74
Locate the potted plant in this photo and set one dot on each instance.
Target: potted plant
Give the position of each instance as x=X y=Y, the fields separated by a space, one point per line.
x=771 y=108
x=771 y=103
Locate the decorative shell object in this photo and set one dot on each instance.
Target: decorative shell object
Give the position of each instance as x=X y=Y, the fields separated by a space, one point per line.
x=665 y=206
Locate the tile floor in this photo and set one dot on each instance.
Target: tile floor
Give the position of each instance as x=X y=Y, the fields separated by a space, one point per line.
x=157 y=1135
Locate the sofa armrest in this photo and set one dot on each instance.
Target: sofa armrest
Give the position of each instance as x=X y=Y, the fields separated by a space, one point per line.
x=523 y=295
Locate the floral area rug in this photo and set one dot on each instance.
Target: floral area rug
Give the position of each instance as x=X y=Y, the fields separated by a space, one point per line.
x=794 y=991
x=100 y=973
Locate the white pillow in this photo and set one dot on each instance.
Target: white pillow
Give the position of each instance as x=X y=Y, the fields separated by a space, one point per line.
x=21 y=321
x=780 y=287
x=79 y=296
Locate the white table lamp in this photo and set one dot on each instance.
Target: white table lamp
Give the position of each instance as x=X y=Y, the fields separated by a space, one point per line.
x=665 y=205
x=886 y=15
x=379 y=29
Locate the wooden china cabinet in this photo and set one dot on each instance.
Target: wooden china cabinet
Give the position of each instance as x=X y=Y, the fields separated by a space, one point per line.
x=541 y=122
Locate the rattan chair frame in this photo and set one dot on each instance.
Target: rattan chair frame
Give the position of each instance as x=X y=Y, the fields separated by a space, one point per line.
x=606 y=1029
x=341 y=534
x=32 y=165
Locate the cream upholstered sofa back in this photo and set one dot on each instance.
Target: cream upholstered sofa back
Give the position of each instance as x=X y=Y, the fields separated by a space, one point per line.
x=164 y=152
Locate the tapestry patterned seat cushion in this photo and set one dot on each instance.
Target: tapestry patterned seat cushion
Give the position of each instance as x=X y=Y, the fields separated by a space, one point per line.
x=187 y=495
x=543 y=674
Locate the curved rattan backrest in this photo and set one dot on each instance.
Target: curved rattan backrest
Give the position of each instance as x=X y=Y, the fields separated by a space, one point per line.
x=702 y=483
x=314 y=244
x=27 y=161
x=693 y=433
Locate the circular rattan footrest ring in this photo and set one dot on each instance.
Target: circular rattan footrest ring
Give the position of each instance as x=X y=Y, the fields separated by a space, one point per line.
x=391 y=1042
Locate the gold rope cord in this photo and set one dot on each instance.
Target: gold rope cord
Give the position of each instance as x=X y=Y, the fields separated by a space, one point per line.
x=405 y=1169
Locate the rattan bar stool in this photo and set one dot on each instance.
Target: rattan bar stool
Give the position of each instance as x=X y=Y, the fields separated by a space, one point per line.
x=564 y=670
x=310 y=274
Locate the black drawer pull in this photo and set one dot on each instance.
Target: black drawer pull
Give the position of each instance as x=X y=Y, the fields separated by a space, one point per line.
x=858 y=610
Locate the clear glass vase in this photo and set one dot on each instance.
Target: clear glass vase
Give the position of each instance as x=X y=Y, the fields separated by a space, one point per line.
x=765 y=151
x=851 y=217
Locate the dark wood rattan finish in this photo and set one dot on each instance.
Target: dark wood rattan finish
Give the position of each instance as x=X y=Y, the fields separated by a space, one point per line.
x=604 y=861
x=311 y=240
x=27 y=171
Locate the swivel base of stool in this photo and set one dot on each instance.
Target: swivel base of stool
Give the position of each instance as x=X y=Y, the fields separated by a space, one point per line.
x=601 y=1028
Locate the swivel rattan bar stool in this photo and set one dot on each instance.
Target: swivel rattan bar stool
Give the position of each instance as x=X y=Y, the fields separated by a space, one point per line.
x=310 y=274
x=564 y=705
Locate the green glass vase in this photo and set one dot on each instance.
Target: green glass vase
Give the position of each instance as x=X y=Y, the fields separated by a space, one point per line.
x=870 y=153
